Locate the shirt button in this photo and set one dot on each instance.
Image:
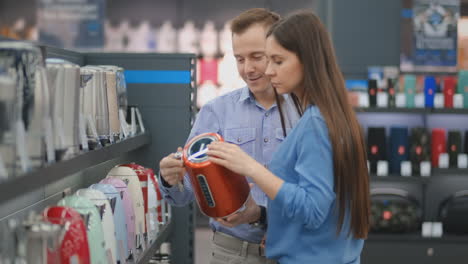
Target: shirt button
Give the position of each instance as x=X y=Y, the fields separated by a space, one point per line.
x=265 y=140
x=239 y=140
x=267 y=114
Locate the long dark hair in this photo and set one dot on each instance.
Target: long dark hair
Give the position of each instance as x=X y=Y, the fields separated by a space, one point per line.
x=304 y=34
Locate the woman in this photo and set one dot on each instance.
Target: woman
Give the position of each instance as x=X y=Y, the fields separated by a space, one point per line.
x=317 y=181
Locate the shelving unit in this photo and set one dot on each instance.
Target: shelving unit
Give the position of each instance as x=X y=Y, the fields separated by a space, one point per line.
x=436 y=172
x=417 y=237
x=450 y=171
x=398 y=178
x=458 y=111
x=391 y=110
x=412 y=248
x=54 y=172
x=167 y=109
x=430 y=191
x=144 y=257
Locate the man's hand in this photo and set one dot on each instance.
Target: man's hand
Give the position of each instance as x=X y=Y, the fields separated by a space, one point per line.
x=172 y=170
x=250 y=214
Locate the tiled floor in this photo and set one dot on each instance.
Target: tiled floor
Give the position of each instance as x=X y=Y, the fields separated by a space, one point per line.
x=202 y=245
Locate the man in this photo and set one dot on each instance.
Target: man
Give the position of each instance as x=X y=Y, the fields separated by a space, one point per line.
x=248 y=117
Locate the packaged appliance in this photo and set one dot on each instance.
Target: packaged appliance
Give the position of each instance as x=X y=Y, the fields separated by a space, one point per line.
x=398 y=148
x=23 y=62
x=39 y=241
x=112 y=103
x=130 y=178
x=376 y=146
x=92 y=219
x=149 y=197
x=64 y=86
x=8 y=110
x=94 y=105
x=394 y=211
x=107 y=219
x=128 y=210
x=115 y=200
x=420 y=148
x=74 y=246
x=453 y=213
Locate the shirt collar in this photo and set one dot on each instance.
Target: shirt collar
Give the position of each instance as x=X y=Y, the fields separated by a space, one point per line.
x=245 y=94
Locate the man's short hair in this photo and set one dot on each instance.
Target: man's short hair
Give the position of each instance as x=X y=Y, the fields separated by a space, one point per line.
x=253 y=16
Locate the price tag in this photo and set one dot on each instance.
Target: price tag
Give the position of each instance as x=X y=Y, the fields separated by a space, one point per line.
x=405 y=168
x=140 y=120
x=425 y=168
x=148 y=228
x=169 y=213
x=74 y=260
x=21 y=146
x=437 y=229
x=363 y=100
x=458 y=101
x=426 y=230
x=140 y=235
x=382 y=99
x=443 y=160
x=82 y=132
x=60 y=133
x=110 y=259
x=123 y=123
x=439 y=100
x=382 y=168
x=163 y=211
x=49 y=139
x=111 y=138
x=133 y=122
x=92 y=126
x=400 y=100
x=122 y=251
x=419 y=100
x=3 y=171
x=462 y=159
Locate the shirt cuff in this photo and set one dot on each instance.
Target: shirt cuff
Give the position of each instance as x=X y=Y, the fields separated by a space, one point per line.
x=164 y=183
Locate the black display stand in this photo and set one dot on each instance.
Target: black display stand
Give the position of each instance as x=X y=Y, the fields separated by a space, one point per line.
x=168 y=111
x=432 y=190
x=54 y=172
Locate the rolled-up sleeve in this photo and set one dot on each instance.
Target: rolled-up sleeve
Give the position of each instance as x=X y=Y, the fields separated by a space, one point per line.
x=310 y=198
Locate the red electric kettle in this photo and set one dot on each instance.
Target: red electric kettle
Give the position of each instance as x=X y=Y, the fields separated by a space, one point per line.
x=219 y=191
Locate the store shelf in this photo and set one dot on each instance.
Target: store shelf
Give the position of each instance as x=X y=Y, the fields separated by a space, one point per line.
x=144 y=257
x=411 y=110
x=449 y=171
x=416 y=237
x=392 y=110
x=436 y=172
x=398 y=178
x=54 y=172
x=462 y=111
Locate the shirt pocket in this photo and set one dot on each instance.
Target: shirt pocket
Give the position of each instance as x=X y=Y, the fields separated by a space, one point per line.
x=243 y=137
x=280 y=135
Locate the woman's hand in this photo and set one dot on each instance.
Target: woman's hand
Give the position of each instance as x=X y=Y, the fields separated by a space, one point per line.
x=250 y=214
x=232 y=157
